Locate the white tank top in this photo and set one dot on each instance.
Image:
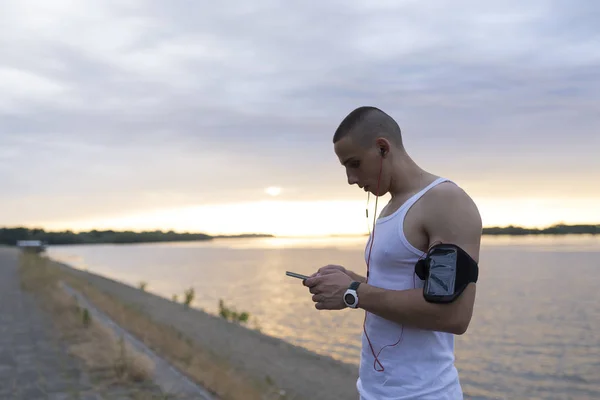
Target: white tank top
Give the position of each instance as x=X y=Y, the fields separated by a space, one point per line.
x=421 y=365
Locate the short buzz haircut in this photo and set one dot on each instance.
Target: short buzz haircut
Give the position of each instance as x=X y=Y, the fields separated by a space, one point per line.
x=366 y=123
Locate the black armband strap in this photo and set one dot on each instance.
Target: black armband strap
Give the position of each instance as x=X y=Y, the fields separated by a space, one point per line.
x=447 y=270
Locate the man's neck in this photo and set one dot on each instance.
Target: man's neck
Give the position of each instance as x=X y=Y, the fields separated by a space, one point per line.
x=408 y=178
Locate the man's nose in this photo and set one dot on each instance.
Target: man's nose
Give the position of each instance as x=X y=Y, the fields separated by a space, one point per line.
x=352 y=180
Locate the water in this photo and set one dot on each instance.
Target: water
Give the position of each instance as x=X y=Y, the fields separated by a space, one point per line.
x=534 y=333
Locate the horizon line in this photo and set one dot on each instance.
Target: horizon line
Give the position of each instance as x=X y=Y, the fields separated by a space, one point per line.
x=214 y=234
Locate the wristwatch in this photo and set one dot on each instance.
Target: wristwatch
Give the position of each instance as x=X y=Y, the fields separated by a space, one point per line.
x=351 y=297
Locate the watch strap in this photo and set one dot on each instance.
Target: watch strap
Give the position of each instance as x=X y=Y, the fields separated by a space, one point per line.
x=354 y=285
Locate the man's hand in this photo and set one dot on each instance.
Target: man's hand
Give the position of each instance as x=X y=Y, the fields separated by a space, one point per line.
x=329 y=267
x=353 y=275
x=328 y=287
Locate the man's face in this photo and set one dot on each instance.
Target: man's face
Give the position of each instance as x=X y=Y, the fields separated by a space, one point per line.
x=362 y=164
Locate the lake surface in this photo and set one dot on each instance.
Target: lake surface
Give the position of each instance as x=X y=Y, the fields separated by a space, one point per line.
x=535 y=332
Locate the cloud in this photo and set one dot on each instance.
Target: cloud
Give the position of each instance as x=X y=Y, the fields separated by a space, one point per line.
x=112 y=106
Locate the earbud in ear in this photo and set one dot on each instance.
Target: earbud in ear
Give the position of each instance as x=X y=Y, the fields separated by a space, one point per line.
x=382 y=151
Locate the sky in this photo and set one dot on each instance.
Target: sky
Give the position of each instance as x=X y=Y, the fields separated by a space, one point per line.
x=218 y=117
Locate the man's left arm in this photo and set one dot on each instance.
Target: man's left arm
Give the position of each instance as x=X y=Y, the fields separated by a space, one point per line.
x=456 y=220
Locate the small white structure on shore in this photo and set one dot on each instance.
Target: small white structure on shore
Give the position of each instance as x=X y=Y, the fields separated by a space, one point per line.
x=36 y=246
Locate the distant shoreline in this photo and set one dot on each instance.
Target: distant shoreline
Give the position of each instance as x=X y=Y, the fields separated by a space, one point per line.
x=10 y=236
x=551 y=230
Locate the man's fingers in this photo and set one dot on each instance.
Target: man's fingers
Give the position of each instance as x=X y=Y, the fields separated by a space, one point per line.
x=330 y=271
x=328 y=268
x=310 y=282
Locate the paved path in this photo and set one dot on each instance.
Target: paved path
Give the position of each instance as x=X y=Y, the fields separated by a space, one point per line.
x=34 y=365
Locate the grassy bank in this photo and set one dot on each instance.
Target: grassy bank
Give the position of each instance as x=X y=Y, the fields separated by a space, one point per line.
x=203 y=365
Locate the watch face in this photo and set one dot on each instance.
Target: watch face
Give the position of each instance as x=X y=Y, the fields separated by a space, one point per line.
x=349 y=299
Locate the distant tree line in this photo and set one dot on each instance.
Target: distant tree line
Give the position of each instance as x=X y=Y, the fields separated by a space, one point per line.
x=10 y=236
x=552 y=230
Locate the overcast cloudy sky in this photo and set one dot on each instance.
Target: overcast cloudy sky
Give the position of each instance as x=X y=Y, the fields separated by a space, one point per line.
x=115 y=108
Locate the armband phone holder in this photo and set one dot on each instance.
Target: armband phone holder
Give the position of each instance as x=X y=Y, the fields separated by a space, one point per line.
x=447 y=270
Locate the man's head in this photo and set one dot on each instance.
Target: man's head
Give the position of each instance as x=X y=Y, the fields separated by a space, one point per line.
x=364 y=140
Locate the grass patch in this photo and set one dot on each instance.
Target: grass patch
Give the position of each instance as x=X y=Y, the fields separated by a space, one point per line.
x=188 y=297
x=109 y=360
x=231 y=314
x=202 y=365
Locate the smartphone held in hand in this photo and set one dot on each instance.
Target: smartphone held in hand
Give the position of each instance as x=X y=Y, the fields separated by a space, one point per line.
x=295 y=275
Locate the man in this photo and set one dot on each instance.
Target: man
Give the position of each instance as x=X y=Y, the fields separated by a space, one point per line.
x=408 y=342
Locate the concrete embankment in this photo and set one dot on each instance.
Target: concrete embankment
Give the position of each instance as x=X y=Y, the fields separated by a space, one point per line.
x=297 y=372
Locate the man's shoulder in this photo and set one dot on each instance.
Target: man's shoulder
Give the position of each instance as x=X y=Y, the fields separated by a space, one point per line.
x=447 y=196
x=447 y=187
x=451 y=214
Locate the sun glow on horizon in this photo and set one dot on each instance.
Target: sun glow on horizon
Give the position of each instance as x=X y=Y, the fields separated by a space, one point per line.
x=273 y=191
x=322 y=218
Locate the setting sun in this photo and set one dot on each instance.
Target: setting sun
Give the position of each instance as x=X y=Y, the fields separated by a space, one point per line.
x=273 y=191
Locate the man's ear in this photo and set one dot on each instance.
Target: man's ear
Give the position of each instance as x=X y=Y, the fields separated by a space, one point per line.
x=383 y=146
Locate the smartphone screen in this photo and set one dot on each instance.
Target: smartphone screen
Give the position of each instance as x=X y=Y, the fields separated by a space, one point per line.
x=442 y=273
